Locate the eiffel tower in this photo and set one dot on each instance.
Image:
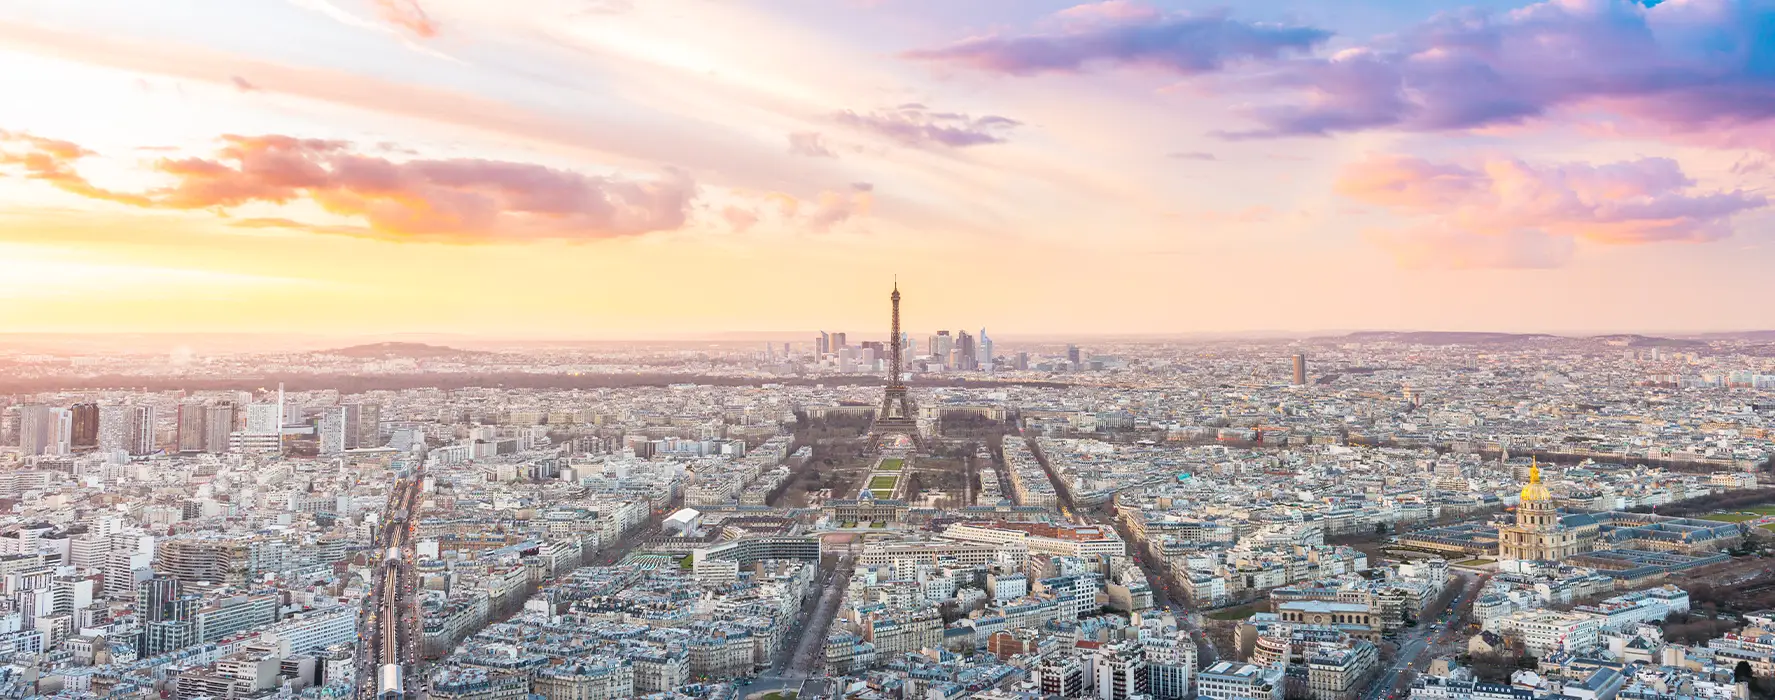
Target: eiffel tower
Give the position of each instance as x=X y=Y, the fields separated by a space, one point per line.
x=897 y=414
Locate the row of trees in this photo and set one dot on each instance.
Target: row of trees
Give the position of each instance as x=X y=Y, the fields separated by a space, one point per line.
x=1712 y=503
x=1686 y=628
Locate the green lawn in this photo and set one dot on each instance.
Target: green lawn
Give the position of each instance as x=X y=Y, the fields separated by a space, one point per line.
x=1730 y=517
x=884 y=482
x=893 y=464
x=881 y=494
x=1238 y=613
x=878 y=523
x=1473 y=562
x=1768 y=526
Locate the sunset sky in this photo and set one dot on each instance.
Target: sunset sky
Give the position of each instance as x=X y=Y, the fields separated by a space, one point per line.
x=627 y=168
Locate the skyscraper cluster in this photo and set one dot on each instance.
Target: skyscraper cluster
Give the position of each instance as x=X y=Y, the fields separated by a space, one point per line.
x=959 y=352
x=193 y=426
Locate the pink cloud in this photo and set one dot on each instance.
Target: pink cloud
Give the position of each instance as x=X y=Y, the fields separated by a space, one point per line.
x=740 y=218
x=1247 y=215
x=1114 y=11
x=1481 y=210
x=457 y=200
x=460 y=198
x=408 y=15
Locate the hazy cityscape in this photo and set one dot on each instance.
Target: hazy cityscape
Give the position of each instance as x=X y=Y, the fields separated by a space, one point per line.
x=864 y=515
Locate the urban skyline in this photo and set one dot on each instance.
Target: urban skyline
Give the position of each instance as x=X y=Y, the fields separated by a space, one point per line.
x=1349 y=518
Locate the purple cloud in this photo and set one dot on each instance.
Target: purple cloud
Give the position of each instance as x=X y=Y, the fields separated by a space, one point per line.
x=913 y=125
x=1503 y=212
x=1126 y=33
x=1686 y=67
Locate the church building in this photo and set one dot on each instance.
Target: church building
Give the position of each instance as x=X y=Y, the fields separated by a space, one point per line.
x=1539 y=534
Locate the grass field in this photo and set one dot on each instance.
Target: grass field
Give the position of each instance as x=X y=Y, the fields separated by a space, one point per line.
x=1740 y=515
x=1768 y=526
x=1238 y=613
x=881 y=495
x=892 y=464
x=883 y=482
x=1473 y=562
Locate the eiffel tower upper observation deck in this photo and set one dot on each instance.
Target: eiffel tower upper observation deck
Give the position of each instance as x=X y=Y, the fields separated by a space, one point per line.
x=897 y=413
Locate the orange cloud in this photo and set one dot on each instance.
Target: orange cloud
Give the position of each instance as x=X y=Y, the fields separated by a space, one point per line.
x=824 y=211
x=408 y=15
x=833 y=208
x=461 y=199
x=53 y=161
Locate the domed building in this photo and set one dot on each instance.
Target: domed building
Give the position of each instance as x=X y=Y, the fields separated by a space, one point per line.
x=1539 y=534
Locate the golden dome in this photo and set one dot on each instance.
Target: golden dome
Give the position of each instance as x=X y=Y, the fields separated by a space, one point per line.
x=1534 y=491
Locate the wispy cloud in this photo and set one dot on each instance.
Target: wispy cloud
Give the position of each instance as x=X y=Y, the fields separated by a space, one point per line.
x=819 y=214
x=55 y=162
x=916 y=126
x=811 y=144
x=408 y=15
x=1132 y=34
x=40 y=272
x=1437 y=247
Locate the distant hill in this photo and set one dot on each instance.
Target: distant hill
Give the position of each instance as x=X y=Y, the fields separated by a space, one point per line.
x=1647 y=341
x=1441 y=337
x=415 y=351
x=1747 y=336
x=1490 y=338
